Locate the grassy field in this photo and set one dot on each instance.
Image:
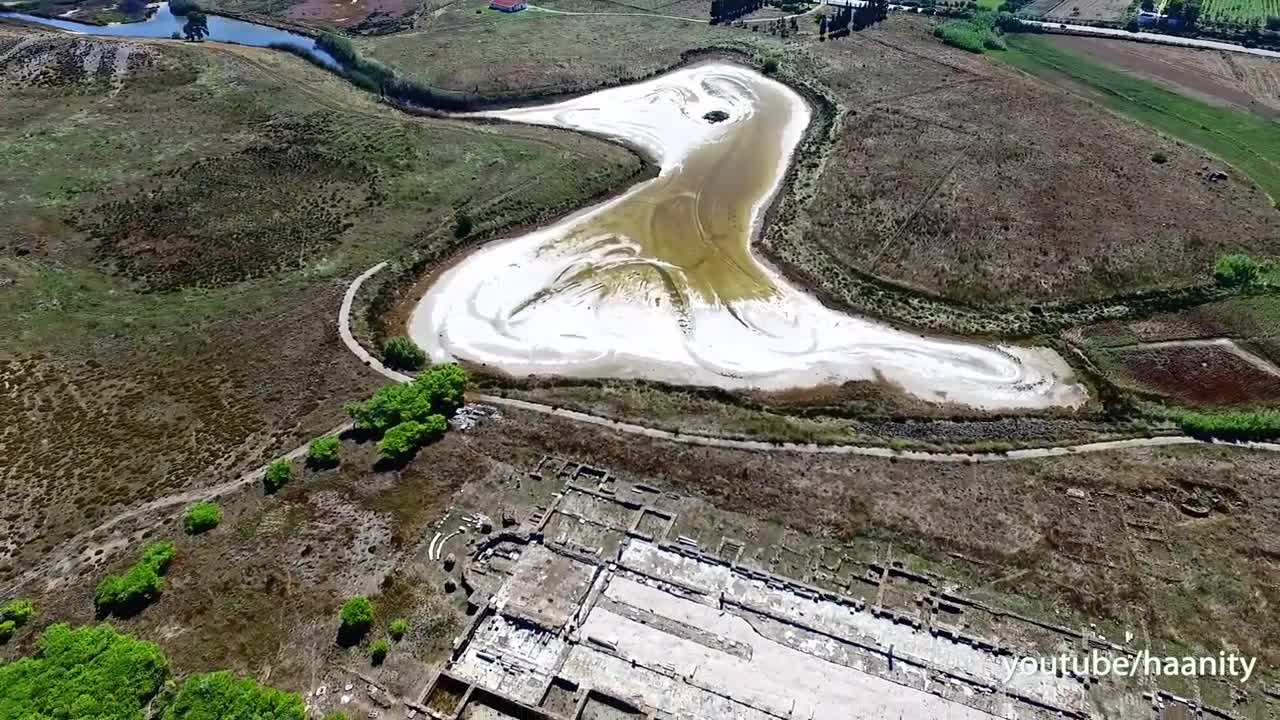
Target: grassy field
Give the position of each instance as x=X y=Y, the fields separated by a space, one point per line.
x=1248 y=142
x=175 y=240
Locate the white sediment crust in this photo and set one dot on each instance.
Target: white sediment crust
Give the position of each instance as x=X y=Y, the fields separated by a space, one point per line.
x=480 y=310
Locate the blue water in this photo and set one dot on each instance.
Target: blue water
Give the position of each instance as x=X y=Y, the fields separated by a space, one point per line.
x=163 y=24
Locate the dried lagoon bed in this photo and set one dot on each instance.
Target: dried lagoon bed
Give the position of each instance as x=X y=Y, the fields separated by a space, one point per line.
x=660 y=282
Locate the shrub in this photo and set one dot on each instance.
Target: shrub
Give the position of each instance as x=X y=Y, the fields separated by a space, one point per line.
x=201 y=517
x=183 y=7
x=18 y=611
x=1236 y=270
x=771 y=65
x=7 y=628
x=223 y=696
x=356 y=615
x=278 y=473
x=437 y=391
x=1159 y=158
x=401 y=353
x=462 y=225
x=138 y=587
x=323 y=452
x=1256 y=424
x=90 y=673
x=400 y=441
x=398 y=629
x=378 y=651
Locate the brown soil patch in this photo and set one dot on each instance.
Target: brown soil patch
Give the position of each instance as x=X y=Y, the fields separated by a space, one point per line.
x=1221 y=78
x=1198 y=375
x=349 y=13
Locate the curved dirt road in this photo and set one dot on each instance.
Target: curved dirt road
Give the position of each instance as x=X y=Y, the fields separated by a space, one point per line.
x=344 y=329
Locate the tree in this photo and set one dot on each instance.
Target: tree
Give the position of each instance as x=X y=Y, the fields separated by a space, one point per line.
x=1237 y=270
x=196 y=27
x=403 y=354
x=398 y=628
x=278 y=473
x=462 y=225
x=90 y=673
x=200 y=517
x=437 y=391
x=1148 y=5
x=356 y=616
x=140 y=585
x=400 y=441
x=17 y=611
x=323 y=452
x=223 y=696
x=378 y=651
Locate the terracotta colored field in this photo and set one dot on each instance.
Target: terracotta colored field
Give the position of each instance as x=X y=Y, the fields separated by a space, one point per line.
x=1199 y=375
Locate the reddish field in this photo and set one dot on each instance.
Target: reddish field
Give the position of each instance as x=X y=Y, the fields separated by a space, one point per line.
x=1197 y=375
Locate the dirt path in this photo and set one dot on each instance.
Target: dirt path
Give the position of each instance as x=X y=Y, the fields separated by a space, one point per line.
x=763 y=446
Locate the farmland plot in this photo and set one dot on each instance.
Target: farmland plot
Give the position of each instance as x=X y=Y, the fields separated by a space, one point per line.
x=1240 y=11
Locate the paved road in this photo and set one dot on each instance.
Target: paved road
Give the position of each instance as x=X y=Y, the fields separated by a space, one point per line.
x=762 y=446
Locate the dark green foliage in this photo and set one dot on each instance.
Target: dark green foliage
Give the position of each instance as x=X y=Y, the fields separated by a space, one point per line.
x=201 y=517
x=400 y=441
x=771 y=66
x=19 y=611
x=437 y=391
x=223 y=696
x=378 y=651
x=398 y=628
x=978 y=34
x=323 y=452
x=278 y=473
x=1159 y=158
x=182 y=7
x=462 y=224
x=90 y=673
x=7 y=629
x=130 y=593
x=196 y=27
x=1237 y=270
x=401 y=353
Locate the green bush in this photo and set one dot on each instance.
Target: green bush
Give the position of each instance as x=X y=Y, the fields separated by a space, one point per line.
x=90 y=673
x=401 y=353
x=462 y=225
x=1237 y=270
x=400 y=441
x=183 y=7
x=201 y=517
x=771 y=65
x=378 y=651
x=1159 y=158
x=19 y=611
x=979 y=33
x=323 y=452
x=1256 y=424
x=436 y=391
x=139 y=586
x=356 y=616
x=278 y=473
x=7 y=629
x=398 y=629
x=223 y=696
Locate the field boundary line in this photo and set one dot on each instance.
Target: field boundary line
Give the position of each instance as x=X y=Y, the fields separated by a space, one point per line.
x=768 y=446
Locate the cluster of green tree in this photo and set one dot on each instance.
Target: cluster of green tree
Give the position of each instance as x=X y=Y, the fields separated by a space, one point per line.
x=409 y=415
x=402 y=353
x=984 y=31
x=278 y=474
x=13 y=615
x=323 y=452
x=1241 y=270
x=726 y=10
x=96 y=673
x=196 y=27
x=201 y=517
x=847 y=18
x=130 y=593
x=1243 y=424
x=379 y=78
x=183 y=7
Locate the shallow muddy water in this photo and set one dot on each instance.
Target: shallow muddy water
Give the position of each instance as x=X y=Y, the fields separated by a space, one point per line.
x=163 y=24
x=660 y=282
